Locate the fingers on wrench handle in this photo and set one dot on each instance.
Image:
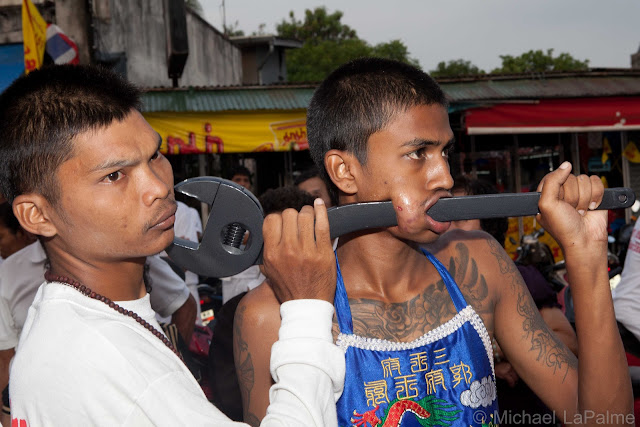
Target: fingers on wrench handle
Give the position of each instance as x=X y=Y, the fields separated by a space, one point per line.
x=503 y=205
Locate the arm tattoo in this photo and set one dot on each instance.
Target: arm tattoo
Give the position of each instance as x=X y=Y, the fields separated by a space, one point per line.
x=244 y=370
x=550 y=350
x=506 y=264
x=411 y=319
x=475 y=288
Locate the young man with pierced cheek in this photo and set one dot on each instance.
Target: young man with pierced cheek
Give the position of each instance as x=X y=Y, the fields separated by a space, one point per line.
x=416 y=325
x=83 y=171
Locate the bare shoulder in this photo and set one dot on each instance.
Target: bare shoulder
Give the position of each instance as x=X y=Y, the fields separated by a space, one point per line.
x=446 y=244
x=478 y=264
x=260 y=307
x=480 y=247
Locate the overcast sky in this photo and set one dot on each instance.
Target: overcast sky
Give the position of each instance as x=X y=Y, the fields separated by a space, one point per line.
x=606 y=32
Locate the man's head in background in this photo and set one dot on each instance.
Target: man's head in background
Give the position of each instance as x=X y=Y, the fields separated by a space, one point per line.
x=12 y=236
x=241 y=175
x=311 y=181
x=465 y=186
x=279 y=199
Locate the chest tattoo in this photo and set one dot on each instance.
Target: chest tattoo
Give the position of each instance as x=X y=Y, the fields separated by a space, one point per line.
x=409 y=320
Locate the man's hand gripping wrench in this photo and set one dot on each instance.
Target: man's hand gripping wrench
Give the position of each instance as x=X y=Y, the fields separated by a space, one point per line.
x=235 y=210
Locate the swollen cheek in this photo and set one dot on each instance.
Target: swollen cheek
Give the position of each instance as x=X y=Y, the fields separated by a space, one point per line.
x=409 y=213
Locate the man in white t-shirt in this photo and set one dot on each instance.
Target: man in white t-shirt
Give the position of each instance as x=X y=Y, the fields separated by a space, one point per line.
x=83 y=170
x=23 y=272
x=626 y=296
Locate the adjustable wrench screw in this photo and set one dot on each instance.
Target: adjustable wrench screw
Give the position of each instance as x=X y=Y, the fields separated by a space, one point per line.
x=234 y=235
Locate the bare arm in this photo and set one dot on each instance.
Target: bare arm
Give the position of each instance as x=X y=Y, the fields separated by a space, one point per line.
x=5 y=358
x=185 y=318
x=600 y=383
x=559 y=325
x=255 y=329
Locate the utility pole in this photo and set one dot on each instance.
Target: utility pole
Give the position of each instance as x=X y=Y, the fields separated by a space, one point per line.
x=224 y=19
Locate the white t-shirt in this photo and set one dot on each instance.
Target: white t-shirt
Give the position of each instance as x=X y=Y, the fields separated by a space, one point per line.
x=79 y=362
x=187 y=226
x=22 y=273
x=241 y=282
x=626 y=296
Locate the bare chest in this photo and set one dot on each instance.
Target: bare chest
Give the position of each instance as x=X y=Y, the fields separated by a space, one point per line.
x=409 y=320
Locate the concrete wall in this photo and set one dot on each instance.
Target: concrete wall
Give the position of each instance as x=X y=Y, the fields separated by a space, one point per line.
x=131 y=36
x=11 y=19
x=213 y=59
x=274 y=69
x=137 y=28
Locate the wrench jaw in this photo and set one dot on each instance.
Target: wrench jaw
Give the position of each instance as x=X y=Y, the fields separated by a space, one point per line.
x=230 y=204
x=203 y=189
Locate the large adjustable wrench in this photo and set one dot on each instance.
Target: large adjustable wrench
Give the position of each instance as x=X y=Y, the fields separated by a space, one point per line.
x=235 y=210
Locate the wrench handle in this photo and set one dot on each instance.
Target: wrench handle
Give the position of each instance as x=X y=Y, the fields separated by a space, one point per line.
x=360 y=216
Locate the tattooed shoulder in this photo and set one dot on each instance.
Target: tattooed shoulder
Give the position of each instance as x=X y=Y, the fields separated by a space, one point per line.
x=433 y=306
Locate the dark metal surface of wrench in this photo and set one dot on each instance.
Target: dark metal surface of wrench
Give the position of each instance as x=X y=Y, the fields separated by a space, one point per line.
x=231 y=204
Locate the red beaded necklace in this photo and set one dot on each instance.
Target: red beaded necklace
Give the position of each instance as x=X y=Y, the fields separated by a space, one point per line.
x=50 y=277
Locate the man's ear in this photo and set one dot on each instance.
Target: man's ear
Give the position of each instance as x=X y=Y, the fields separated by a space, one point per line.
x=33 y=213
x=342 y=167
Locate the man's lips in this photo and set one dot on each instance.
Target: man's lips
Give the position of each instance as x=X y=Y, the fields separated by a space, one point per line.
x=167 y=219
x=436 y=226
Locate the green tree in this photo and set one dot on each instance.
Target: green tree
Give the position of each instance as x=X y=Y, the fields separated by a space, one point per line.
x=537 y=61
x=195 y=6
x=328 y=43
x=232 y=30
x=456 y=68
x=318 y=26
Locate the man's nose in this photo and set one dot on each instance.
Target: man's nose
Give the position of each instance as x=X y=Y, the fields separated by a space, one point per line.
x=156 y=185
x=439 y=175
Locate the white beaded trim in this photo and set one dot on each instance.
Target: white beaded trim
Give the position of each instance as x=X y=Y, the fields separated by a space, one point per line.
x=467 y=314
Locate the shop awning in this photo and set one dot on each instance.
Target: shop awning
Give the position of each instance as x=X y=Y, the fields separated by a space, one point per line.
x=555 y=115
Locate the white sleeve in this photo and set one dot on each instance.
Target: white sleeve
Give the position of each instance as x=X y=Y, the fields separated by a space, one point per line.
x=307 y=367
x=8 y=332
x=168 y=291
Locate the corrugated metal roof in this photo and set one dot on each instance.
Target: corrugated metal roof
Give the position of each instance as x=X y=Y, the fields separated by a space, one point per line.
x=566 y=87
x=460 y=92
x=216 y=99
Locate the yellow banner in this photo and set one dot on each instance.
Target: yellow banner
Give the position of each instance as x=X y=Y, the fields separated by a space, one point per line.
x=631 y=152
x=230 y=132
x=34 y=34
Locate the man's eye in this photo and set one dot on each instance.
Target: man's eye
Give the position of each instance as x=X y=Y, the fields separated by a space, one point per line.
x=415 y=155
x=113 y=176
x=155 y=155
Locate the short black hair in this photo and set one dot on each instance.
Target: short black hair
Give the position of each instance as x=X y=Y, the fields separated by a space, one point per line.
x=281 y=198
x=41 y=113
x=239 y=170
x=307 y=174
x=497 y=227
x=8 y=218
x=360 y=98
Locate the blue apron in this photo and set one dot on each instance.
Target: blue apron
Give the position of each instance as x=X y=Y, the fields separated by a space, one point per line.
x=444 y=378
